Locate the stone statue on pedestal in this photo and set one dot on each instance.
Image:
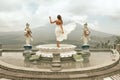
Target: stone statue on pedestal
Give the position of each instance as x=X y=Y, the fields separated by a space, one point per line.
x=85 y=46
x=28 y=39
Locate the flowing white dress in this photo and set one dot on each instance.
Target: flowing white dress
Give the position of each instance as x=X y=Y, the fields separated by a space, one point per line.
x=67 y=29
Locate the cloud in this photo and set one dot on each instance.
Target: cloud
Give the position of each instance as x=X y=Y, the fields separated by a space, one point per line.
x=79 y=19
x=83 y=19
x=105 y=7
x=15 y=13
x=95 y=25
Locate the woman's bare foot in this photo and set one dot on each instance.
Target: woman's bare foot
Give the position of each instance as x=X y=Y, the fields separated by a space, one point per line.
x=58 y=44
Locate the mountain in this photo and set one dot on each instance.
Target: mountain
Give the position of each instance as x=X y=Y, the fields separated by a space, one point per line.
x=46 y=34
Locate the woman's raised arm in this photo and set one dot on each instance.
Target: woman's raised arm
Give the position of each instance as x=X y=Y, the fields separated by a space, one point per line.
x=51 y=20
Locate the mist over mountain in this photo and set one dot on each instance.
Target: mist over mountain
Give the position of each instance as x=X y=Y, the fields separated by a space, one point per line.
x=46 y=35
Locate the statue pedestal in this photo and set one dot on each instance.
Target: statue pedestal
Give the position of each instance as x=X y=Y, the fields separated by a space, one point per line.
x=85 y=53
x=27 y=47
x=85 y=47
x=27 y=50
x=56 y=65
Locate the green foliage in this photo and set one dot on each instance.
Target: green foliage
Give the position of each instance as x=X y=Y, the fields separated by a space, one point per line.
x=106 y=44
x=117 y=41
x=77 y=57
x=34 y=57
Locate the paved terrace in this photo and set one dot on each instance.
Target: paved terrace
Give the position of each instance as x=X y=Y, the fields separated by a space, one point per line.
x=93 y=70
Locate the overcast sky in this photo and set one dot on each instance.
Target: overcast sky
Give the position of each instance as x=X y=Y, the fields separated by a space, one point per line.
x=101 y=15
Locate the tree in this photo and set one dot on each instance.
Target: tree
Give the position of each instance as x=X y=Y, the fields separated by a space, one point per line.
x=117 y=41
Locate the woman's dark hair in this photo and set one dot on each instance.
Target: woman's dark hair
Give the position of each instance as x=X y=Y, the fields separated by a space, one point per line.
x=86 y=24
x=60 y=18
x=27 y=24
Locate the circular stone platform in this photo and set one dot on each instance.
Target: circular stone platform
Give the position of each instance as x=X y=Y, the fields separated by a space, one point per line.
x=51 y=50
x=47 y=50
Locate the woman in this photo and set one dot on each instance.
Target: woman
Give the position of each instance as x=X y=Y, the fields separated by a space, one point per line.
x=28 y=34
x=61 y=31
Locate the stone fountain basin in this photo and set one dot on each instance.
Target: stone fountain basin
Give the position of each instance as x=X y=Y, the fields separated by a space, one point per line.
x=53 y=48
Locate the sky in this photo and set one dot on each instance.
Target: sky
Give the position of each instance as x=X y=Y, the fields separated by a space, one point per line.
x=101 y=15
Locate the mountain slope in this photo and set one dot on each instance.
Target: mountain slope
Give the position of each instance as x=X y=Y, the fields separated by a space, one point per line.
x=46 y=34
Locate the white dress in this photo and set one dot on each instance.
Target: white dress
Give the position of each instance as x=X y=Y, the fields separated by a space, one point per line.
x=67 y=29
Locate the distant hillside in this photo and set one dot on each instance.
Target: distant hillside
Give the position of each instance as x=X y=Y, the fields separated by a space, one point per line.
x=46 y=34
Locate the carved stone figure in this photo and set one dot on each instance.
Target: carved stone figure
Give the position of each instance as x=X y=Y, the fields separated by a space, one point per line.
x=28 y=34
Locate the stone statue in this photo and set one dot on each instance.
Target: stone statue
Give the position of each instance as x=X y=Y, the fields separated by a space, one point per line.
x=28 y=34
x=86 y=34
